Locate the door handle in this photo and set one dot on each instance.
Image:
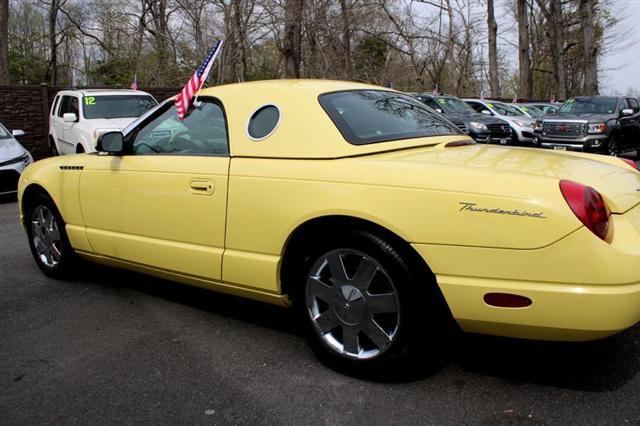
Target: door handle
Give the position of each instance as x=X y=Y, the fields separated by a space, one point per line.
x=202 y=186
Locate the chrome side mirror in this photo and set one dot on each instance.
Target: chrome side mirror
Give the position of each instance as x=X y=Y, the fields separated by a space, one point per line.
x=17 y=133
x=626 y=112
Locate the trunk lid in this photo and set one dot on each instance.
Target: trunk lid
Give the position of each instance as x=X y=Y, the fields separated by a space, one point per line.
x=618 y=183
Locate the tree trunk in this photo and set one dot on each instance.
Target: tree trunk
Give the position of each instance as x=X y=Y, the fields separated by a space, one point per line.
x=494 y=81
x=53 y=44
x=292 y=38
x=557 y=49
x=139 y=38
x=4 y=41
x=346 y=40
x=526 y=77
x=590 y=49
x=240 y=39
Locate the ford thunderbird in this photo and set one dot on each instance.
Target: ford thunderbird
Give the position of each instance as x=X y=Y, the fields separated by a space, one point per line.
x=371 y=215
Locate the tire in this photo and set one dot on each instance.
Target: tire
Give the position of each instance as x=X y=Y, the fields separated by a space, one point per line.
x=52 y=149
x=48 y=239
x=613 y=148
x=372 y=316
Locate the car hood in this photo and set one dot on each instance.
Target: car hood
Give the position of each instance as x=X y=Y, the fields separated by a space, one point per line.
x=581 y=117
x=111 y=123
x=520 y=172
x=10 y=148
x=471 y=116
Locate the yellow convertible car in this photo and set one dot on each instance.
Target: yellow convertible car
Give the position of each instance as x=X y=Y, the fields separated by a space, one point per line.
x=369 y=213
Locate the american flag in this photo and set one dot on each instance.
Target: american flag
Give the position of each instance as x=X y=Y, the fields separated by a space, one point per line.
x=195 y=82
x=134 y=83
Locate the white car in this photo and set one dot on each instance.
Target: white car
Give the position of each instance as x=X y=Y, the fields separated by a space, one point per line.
x=521 y=124
x=13 y=160
x=78 y=116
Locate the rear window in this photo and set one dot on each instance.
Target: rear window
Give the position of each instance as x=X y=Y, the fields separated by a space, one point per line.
x=371 y=116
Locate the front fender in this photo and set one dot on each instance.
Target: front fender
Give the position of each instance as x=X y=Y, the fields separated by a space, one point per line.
x=59 y=177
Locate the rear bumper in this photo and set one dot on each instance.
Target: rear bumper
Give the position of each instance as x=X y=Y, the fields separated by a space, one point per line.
x=558 y=312
x=581 y=288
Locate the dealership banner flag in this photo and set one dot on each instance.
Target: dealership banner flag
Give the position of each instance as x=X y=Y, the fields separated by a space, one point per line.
x=193 y=86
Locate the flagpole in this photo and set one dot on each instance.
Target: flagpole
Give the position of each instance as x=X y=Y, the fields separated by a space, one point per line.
x=195 y=99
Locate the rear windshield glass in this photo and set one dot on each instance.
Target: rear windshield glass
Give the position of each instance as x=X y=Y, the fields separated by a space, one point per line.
x=118 y=106
x=371 y=116
x=603 y=105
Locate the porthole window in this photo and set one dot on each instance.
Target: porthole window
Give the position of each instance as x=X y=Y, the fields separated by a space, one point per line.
x=263 y=122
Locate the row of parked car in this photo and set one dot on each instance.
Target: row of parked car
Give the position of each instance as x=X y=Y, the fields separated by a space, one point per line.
x=600 y=124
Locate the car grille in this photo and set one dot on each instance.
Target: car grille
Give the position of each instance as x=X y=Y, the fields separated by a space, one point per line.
x=8 y=181
x=565 y=129
x=499 y=130
x=462 y=127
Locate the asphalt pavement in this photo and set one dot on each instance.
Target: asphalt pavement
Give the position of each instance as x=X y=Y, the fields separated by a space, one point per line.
x=118 y=347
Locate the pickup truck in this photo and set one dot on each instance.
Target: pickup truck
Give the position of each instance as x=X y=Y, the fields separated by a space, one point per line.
x=600 y=124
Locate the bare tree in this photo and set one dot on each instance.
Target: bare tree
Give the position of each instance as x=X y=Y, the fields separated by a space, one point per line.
x=292 y=46
x=4 y=41
x=346 y=40
x=589 y=47
x=524 y=58
x=494 y=81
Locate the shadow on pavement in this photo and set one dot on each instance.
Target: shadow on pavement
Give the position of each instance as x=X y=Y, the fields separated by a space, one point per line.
x=599 y=366
x=261 y=314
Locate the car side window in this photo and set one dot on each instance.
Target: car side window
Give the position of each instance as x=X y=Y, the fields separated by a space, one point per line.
x=65 y=104
x=55 y=105
x=633 y=103
x=431 y=103
x=623 y=104
x=476 y=106
x=73 y=106
x=202 y=132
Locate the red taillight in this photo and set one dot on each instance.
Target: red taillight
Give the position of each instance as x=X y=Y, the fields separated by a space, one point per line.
x=631 y=163
x=506 y=300
x=588 y=206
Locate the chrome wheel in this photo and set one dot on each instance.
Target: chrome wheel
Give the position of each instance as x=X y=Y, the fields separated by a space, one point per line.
x=45 y=235
x=353 y=304
x=613 y=149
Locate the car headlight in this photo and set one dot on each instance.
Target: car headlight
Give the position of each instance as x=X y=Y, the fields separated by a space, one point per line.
x=595 y=128
x=24 y=158
x=521 y=123
x=538 y=125
x=477 y=126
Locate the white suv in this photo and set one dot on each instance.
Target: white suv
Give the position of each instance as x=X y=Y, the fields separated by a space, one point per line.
x=77 y=116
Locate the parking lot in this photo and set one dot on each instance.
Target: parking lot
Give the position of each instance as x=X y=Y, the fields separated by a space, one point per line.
x=120 y=347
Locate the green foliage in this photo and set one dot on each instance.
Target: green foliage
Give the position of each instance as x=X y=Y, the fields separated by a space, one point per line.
x=370 y=57
x=267 y=65
x=112 y=72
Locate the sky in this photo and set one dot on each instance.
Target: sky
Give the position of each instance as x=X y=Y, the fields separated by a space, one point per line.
x=621 y=69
